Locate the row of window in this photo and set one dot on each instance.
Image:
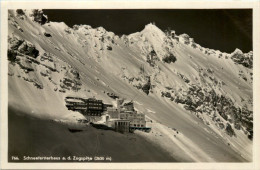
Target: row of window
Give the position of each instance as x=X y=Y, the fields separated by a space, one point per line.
x=138 y=125
x=95 y=104
x=121 y=123
x=95 y=107
x=93 y=114
x=93 y=100
x=132 y=119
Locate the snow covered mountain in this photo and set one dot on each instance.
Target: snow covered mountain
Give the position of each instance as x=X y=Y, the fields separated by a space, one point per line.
x=205 y=94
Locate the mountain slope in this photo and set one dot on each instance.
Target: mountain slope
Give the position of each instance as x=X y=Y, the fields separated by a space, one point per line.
x=28 y=138
x=204 y=93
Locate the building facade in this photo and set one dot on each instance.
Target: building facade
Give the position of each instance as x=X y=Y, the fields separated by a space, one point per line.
x=128 y=106
x=94 y=107
x=113 y=113
x=106 y=106
x=122 y=126
x=119 y=102
x=87 y=107
x=136 y=120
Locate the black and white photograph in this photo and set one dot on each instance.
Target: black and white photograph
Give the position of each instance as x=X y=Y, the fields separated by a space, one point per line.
x=106 y=85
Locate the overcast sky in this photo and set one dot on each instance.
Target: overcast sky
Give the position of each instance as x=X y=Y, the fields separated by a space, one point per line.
x=223 y=30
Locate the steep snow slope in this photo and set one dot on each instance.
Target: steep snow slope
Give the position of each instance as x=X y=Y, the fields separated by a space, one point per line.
x=204 y=93
x=27 y=137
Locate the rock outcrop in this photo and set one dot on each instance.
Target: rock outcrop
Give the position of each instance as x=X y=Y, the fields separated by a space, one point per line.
x=146 y=87
x=18 y=46
x=96 y=62
x=244 y=59
x=38 y=16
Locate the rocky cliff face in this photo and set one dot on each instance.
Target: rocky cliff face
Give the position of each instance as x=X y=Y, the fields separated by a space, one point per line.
x=159 y=70
x=244 y=59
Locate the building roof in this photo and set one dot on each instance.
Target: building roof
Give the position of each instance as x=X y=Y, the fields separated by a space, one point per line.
x=121 y=120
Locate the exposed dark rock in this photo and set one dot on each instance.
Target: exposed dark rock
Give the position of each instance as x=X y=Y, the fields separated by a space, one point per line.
x=20 y=12
x=10 y=74
x=70 y=84
x=28 y=49
x=168 y=88
x=198 y=100
x=166 y=94
x=230 y=121
x=237 y=126
x=170 y=58
x=75 y=27
x=75 y=73
x=25 y=65
x=250 y=136
x=180 y=99
x=20 y=29
x=177 y=38
x=21 y=15
x=11 y=55
x=186 y=80
x=241 y=58
x=62 y=90
x=147 y=86
x=112 y=95
x=186 y=38
x=47 y=34
x=38 y=85
x=38 y=16
x=17 y=46
x=44 y=74
x=151 y=58
x=229 y=130
x=194 y=45
x=221 y=125
x=109 y=48
x=47 y=56
x=209 y=70
x=14 y=43
x=67 y=30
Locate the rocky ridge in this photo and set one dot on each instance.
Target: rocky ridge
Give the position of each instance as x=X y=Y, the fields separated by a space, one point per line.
x=172 y=69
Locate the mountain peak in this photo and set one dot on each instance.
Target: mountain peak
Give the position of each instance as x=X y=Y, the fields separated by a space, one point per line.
x=237 y=51
x=151 y=27
x=169 y=77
